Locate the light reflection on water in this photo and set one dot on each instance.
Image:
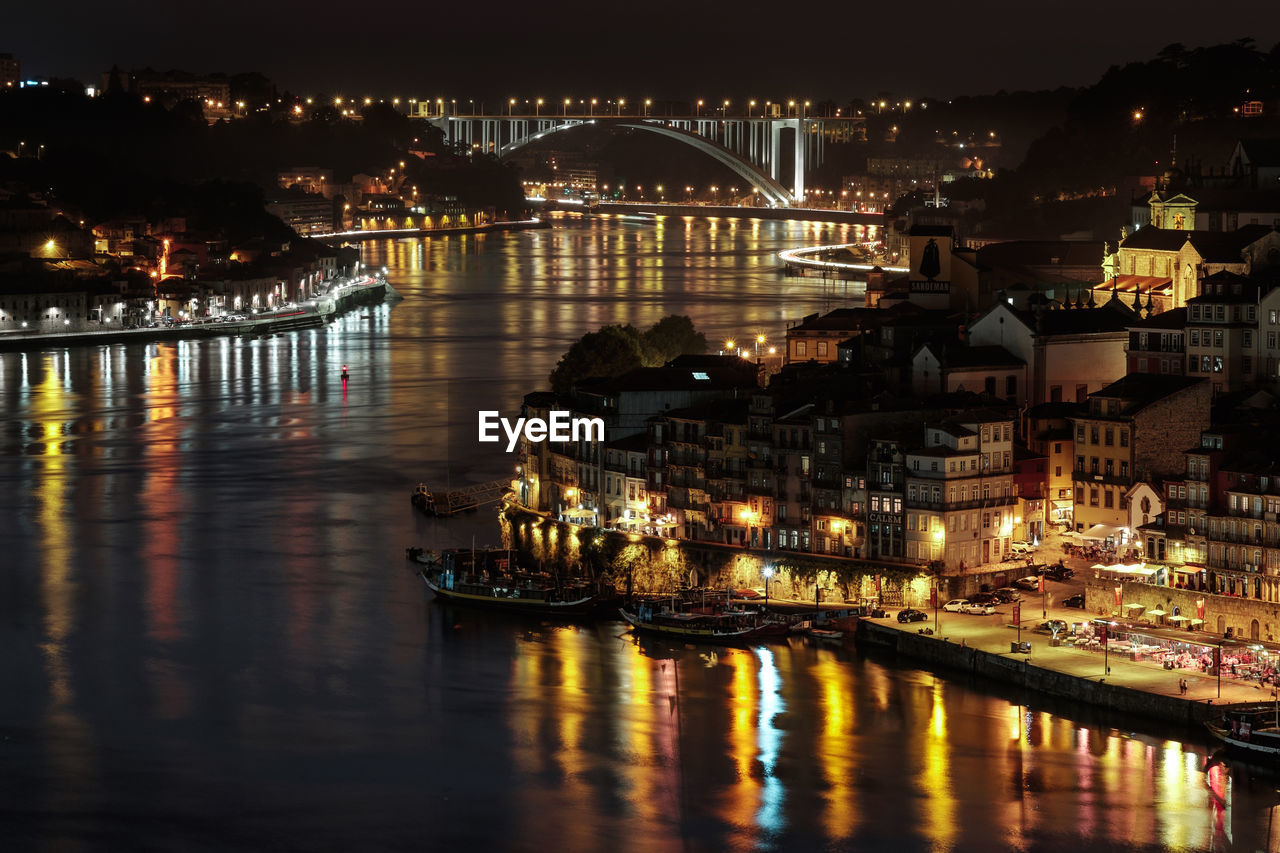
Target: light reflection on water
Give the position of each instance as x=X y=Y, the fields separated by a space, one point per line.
x=211 y=638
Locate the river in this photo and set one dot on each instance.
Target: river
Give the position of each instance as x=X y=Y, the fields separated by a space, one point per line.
x=212 y=640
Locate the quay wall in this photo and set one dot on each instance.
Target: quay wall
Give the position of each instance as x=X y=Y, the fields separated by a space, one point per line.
x=1019 y=671
x=331 y=306
x=655 y=564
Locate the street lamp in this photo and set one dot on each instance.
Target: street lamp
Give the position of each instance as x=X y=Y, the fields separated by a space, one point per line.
x=537 y=109
x=768 y=573
x=567 y=101
x=699 y=106
x=592 y=110
x=648 y=102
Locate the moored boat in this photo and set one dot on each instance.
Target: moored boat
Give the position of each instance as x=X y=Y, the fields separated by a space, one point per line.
x=1250 y=730
x=825 y=635
x=717 y=621
x=494 y=579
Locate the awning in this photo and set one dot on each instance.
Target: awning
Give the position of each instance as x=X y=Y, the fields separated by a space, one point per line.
x=1178 y=618
x=1102 y=531
x=1127 y=606
x=1156 y=612
x=1197 y=621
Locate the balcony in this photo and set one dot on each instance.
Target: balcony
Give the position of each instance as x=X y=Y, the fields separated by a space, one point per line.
x=1094 y=478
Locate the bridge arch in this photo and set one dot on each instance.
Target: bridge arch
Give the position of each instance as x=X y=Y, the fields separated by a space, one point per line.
x=773 y=193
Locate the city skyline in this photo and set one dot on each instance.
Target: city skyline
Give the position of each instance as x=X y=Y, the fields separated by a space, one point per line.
x=571 y=48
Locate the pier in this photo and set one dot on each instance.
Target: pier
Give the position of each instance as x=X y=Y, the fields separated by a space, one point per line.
x=447 y=503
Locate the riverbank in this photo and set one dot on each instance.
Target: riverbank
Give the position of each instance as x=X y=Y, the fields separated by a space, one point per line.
x=727 y=211
x=399 y=233
x=980 y=646
x=313 y=313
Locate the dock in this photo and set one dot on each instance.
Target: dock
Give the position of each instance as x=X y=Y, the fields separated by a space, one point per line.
x=442 y=504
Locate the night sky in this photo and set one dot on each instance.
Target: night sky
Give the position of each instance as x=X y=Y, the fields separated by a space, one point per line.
x=666 y=49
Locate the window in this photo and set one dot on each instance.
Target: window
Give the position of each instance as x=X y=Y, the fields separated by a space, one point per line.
x=1124 y=437
x=1079 y=463
x=1246 y=363
x=1109 y=467
x=1206 y=364
x=1080 y=496
x=1217 y=339
x=822 y=349
x=1080 y=434
x=801 y=348
x=1273 y=316
x=1248 y=337
x=1195 y=338
x=1109 y=436
x=1093 y=464
x=1108 y=499
x=1124 y=468
x=1217 y=364
x=1057 y=471
x=1057 y=447
x=897 y=504
x=1093 y=497
x=1093 y=434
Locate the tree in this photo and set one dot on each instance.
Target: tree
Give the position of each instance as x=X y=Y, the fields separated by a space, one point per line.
x=612 y=351
x=672 y=336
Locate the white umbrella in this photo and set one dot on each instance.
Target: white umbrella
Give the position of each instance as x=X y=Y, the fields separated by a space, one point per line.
x=1156 y=612
x=1178 y=618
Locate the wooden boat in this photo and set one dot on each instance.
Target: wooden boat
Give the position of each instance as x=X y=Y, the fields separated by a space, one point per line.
x=1251 y=731
x=692 y=617
x=493 y=579
x=825 y=635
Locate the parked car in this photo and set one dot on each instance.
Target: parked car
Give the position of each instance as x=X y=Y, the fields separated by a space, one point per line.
x=955 y=605
x=1008 y=594
x=984 y=598
x=1031 y=584
x=1074 y=601
x=1053 y=626
x=978 y=609
x=911 y=615
x=1059 y=573
x=1021 y=548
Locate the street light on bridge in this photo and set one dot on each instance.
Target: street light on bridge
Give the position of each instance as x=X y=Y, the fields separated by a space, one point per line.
x=592 y=110
x=622 y=102
x=648 y=102
x=537 y=110
x=567 y=101
x=699 y=106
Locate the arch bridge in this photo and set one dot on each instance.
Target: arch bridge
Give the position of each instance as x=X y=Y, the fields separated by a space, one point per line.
x=751 y=146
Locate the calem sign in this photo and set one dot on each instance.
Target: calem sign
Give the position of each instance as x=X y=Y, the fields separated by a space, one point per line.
x=558 y=426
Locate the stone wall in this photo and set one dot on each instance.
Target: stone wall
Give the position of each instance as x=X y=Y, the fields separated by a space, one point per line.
x=1020 y=672
x=1167 y=427
x=662 y=565
x=1220 y=611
